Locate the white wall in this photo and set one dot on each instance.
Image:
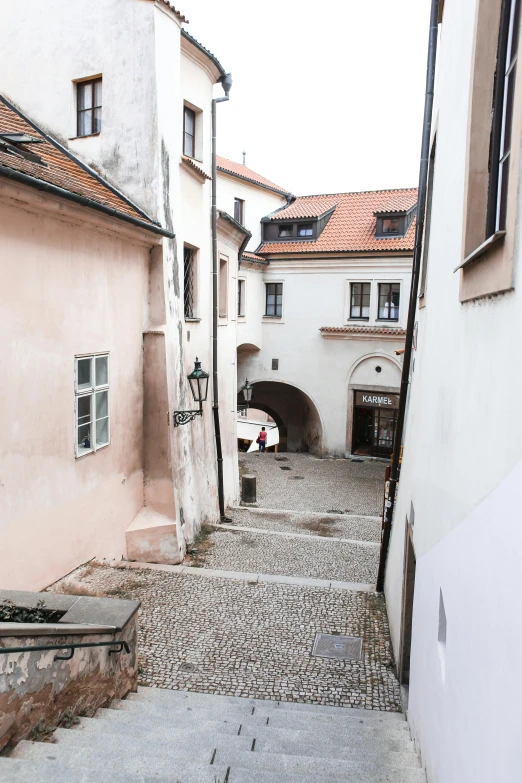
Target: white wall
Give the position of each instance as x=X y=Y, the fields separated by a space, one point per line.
x=258 y=203
x=461 y=472
x=316 y=294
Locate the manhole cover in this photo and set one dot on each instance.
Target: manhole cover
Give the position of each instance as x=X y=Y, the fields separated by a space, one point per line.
x=295 y=478
x=285 y=467
x=334 y=511
x=342 y=648
x=188 y=667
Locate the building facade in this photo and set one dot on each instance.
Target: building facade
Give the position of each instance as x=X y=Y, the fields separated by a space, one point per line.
x=129 y=92
x=452 y=575
x=322 y=303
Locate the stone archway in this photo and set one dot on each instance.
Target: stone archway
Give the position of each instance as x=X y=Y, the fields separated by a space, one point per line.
x=295 y=413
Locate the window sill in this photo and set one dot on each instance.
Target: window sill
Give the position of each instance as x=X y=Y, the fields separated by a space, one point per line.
x=92 y=451
x=365 y=320
x=192 y=320
x=481 y=249
x=388 y=320
x=87 y=136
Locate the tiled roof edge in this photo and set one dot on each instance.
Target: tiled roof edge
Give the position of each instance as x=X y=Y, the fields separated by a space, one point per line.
x=255 y=182
x=203 y=49
x=80 y=162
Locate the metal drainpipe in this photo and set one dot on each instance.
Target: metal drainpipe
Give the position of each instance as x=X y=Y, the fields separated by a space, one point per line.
x=417 y=257
x=215 y=385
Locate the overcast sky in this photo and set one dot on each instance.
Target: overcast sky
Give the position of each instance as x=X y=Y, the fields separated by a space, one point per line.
x=328 y=96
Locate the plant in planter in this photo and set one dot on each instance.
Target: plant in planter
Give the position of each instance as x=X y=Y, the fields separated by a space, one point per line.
x=10 y=613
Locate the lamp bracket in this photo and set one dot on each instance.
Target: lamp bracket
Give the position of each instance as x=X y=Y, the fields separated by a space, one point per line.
x=243 y=407
x=183 y=417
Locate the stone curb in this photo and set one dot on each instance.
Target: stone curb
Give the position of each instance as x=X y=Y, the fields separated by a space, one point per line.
x=323 y=539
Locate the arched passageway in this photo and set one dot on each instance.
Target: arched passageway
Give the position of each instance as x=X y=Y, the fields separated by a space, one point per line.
x=295 y=414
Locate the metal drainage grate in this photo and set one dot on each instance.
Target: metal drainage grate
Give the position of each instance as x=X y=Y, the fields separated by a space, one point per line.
x=188 y=667
x=342 y=648
x=281 y=459
x=284 y=467
x=295 y=478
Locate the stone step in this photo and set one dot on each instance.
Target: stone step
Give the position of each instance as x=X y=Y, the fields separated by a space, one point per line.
x=241 y=775
x=355 y=736
x=99 y=757
x=153 y=695
x=281 y=764
x=189 y=745
x=27 y=771
x=278 y=717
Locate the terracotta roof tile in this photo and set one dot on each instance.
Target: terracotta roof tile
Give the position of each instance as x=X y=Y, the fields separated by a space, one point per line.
x=351 y=228
x=60 y=167
x=175 y=10
x=193 y=165
x=204 y=49
x=238 y=170
x=393 y=330
x=306 y=208
x=254 y=257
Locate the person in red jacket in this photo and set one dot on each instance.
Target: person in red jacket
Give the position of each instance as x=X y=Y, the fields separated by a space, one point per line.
x=261 y=439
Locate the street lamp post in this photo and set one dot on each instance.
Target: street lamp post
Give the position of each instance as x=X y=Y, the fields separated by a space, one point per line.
x=247 y=390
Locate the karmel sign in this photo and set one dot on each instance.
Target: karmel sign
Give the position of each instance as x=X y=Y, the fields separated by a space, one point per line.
x=374 y=399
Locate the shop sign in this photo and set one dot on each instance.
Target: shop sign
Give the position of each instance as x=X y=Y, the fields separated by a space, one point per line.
x=375 y=399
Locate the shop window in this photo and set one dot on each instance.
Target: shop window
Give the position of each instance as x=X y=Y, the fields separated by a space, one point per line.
x=389 y=299
x=360 y=301
x=274 y=300
x=91 y=403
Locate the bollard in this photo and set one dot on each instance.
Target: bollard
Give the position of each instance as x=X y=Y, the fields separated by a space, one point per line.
x=248 y=489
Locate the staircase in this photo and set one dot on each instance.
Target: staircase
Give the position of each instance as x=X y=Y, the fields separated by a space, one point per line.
x=164 y=736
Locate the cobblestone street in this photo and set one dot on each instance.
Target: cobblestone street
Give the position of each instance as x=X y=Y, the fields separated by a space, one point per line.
x=230 y=624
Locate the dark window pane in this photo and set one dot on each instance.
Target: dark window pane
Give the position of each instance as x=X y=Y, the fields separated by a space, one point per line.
x=189 y=287
x=286 y=231
x=84 y=95
x=189 y=121
x=96 y=125
x=306 y=230
x=391 y=225
x=98 y=92
x=85 y=123
x=238 y=210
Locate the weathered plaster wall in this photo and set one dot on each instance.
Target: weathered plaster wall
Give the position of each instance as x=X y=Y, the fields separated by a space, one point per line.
x=68 y=289
x=258 y=202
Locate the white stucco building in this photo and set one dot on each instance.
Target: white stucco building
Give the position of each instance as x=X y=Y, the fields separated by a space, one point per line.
x=322 y=302
x=126 y=89
x=452 y=580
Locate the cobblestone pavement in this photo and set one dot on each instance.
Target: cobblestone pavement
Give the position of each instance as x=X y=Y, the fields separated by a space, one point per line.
x=234 y=550
x=315 y=524
x=222 y=636
x=327 y=484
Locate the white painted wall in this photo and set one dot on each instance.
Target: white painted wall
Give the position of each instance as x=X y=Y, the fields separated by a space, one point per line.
x=258 y=203
x=461 y=472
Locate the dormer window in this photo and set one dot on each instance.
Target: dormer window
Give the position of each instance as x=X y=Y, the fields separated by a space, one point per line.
x=391 y=225
x=305 y=230
x=286 y=231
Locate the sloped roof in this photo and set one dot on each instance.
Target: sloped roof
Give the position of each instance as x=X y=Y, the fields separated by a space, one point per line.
x=253 y=257
x=205 y=51
x=60 y=168
x=391 y=330
x=351 y=228
x=175 y=10
x=243 y=172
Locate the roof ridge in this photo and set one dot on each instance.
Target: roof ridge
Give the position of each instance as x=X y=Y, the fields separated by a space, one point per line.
x=92 y=172
x=357 y=192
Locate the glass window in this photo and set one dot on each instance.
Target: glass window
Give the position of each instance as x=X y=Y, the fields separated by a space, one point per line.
x=189 y=132
x=223 y=287
x=389 y=299
x=305 y=230
x=241 y=286
x=89 y=107
x=239 y=210
x=92 y=407
x=286 y=231
x=360 y=301
x=274 y=300
x=391 y=225
x=189 y=282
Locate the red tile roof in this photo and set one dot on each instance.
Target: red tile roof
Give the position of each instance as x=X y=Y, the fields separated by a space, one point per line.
x=351 y=228
x=193 y=165
x=175 y=10
x=392 y=330
x=243 y=172
x=254 y=257
x=60 y=168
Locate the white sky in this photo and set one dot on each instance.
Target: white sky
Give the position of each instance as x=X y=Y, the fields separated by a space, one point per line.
x=328 y=96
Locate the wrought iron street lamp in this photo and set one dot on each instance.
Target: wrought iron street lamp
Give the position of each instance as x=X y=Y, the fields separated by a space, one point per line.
x=247 y=390
x=198 y=380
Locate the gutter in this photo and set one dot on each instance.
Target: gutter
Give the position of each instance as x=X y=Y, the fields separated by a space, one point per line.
x=239 y=227
x=289 y=197
x=417 y=259
x=33 y=182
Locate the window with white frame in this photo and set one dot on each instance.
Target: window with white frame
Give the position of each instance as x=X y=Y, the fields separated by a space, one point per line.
x=273 y=300
x=241 y=291
x=92 y=425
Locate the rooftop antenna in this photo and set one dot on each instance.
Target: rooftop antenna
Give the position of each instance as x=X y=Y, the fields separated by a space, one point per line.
x=244 y=157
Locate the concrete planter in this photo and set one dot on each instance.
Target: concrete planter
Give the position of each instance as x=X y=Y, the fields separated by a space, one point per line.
x=36 y=689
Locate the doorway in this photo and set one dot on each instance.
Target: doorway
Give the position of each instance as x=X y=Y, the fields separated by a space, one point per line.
x=363 y=431
x=374 y=431
x=408 y=592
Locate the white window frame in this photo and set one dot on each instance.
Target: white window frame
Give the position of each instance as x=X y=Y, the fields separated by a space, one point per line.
x=274 y=318
x=241 y=281
x=91 y=391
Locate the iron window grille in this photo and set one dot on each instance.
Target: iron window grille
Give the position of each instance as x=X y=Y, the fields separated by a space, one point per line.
x=274 y=300
x=89 y=107
x=239 y=210
x=360 y=301
x=92 y=412
x=189 y=282
x=189 y=132
x=389 y=300
x=503 y=96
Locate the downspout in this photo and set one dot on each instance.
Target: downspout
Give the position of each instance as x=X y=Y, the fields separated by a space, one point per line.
x=227 y=84
x=417 y=258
